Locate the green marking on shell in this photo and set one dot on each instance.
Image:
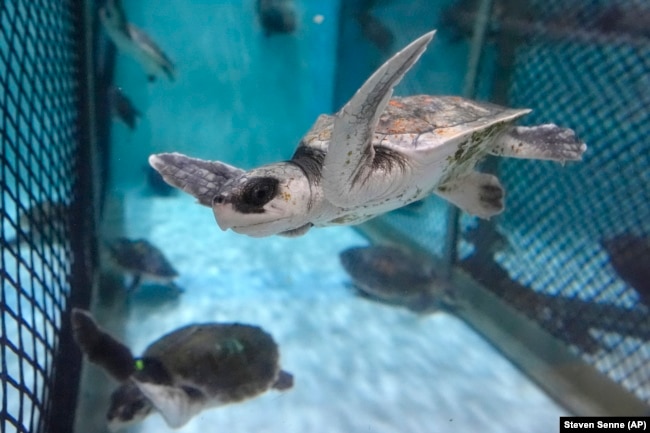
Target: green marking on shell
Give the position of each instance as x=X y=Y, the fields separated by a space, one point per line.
x=139 y=364
x=232 y=346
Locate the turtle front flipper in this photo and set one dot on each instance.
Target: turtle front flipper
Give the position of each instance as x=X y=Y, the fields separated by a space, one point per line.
x=547 y=141
x=477 y=194
x=350 y=156
x=198 y=177
x=100 y=347
x=174 y=403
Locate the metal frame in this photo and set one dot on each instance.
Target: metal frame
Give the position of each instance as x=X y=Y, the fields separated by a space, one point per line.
x=574 y=384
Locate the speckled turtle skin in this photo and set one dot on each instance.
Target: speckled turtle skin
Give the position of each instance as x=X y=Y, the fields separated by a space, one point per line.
x=376 y=154
x=432 y=139
x=133 y=42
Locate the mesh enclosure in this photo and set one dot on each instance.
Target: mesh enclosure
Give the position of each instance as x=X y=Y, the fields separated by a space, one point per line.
x=42 y=195
x=570 y=249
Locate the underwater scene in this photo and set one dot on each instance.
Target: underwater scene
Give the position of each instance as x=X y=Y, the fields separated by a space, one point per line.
x=325 y=216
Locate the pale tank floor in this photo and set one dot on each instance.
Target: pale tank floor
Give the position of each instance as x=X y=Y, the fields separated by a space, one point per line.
x=358 y=366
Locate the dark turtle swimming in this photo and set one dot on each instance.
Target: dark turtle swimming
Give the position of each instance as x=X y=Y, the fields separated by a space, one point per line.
x=133 y=42
x=629 y=255
x=375 y=155
x=184 y=372
x=45 y=221
x=142 y=260
x=276 y=16
x=391 y=275
x=122 y=107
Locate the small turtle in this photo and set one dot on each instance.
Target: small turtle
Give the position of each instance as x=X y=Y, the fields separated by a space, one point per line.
x=388 y=274
x=44 y=221
x=189 y=370
x=277 y=16
x=375 y=155
x=134 y=42
x=141 y=259
x=375 y=31
x=630 y=257
x=122 y=107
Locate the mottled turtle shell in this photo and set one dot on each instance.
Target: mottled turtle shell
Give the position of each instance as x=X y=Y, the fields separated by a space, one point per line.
x=139 y=256
x=224 y=362
x=441 y=138
x=391 y=275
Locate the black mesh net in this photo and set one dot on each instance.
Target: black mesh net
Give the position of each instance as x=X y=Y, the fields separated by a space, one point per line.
x=572 y=248
x=40 y=137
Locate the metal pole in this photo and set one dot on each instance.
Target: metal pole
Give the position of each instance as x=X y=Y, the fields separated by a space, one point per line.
x=469 y=90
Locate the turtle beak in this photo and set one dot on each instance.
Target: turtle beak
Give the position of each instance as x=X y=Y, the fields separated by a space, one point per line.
x=224 y=212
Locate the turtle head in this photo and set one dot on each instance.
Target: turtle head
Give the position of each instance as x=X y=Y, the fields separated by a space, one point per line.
x=128 y=405
x=112 y=15
x=272 y=199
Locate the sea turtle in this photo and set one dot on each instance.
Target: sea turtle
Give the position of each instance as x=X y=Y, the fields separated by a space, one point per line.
x=391 y=275
x=122 y=107
x=184 y=372
x=141 y=259
x=45 y=221
x=134 y=42
x=375 y=155
x=277 y=16
x=375 y=31
x=629 y=255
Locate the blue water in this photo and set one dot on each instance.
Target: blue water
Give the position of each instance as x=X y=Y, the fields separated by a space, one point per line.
x=239 y=97
x=246 y=99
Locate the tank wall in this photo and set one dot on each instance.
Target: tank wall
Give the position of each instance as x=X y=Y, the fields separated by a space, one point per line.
x=47 y=212
x=569 y=249
x=239 y=95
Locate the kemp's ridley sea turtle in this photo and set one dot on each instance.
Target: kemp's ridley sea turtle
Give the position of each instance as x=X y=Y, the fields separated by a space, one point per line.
x=143 y=261
x=375 y=155
x=391 y=275
x=184 y=372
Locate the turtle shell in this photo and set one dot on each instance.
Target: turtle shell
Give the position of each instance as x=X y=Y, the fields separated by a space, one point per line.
x=387 y=271
x=139 y=256
x=391 y=275
x=223 y=362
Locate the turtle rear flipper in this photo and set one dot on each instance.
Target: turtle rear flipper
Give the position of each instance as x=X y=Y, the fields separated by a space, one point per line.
x=478 y=194
x=547 y=141
x=284 y=381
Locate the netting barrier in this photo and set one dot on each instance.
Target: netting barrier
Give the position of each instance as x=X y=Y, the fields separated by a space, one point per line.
x=572 y=249
x=45 y=213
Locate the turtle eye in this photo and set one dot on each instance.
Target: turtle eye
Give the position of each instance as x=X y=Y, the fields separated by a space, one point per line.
x=259 y=191
x=193 y=393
